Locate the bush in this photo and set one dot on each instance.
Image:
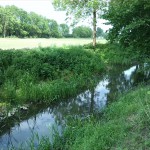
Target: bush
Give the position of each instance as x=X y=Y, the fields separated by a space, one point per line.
x=45 y=74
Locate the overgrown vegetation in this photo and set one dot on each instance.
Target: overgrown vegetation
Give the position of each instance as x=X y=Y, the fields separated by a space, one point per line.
x=46 y=74
x=117 y=54
x=123 y=125
x=120 y=126
x=130 y=21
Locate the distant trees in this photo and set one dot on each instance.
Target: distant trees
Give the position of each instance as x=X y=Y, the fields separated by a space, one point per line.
x=64 y=30
x=17 y=22
x=4 y=20
x=82 y=32
x=100 y=32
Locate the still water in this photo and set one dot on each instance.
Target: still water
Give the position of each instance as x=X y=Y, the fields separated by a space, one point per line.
x=41 y=120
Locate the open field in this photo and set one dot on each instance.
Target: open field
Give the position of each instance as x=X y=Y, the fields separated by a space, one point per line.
x=10 y=43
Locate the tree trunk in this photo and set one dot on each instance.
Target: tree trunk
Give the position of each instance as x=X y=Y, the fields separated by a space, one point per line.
x=4 y=31
x=4 y=27
x=94 y=28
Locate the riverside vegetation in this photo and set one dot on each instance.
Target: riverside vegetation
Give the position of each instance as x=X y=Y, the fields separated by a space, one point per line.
x=49 y=74
x=124 y=124
x=46 y=74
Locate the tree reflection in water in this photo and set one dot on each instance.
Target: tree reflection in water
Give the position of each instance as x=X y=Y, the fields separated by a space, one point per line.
x=40 y=119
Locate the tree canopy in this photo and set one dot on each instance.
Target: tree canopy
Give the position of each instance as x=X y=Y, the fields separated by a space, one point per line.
x=131 y=22
x=82 y=32
x=81 y=9
x=64 y=30
x=17 y=22
x=100 y=32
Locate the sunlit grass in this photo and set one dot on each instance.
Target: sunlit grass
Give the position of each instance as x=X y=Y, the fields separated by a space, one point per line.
x=10 y=43
x=124 y=125
x=46 y=74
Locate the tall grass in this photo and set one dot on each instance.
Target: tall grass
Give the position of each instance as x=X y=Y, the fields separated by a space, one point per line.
x=124 y=125
x=46 y=74
x=116 y=54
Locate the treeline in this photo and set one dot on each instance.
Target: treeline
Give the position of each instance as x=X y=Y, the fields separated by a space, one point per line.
x=15 y=22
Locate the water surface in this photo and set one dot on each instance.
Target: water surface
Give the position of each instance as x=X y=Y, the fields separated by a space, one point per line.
x=40 y=120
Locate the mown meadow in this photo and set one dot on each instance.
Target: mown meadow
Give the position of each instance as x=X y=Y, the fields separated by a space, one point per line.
x=30 y=43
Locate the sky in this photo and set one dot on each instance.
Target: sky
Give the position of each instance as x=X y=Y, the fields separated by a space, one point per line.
x=45 y=8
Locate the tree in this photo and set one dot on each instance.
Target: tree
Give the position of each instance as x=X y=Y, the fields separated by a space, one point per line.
x=64 y=30
x=17 y=22
x=5 y=16
x=131 y=23
x=82 y=9
x=54 y=30
x=100 y=32
x=82 y=32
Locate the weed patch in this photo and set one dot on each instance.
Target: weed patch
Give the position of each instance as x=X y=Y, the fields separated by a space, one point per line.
x=46 y=74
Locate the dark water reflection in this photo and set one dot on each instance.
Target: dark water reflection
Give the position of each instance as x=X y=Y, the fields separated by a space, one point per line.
x=41 y=119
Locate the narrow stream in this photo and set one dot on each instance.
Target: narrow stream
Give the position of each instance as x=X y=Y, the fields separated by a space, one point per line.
x=40 y=120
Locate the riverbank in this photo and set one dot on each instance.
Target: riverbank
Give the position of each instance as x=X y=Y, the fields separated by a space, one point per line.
x=123 y=125
x=46 y=75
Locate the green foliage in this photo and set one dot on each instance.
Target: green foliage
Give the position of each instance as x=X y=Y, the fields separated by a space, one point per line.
x=100 y=32
x=123 y=124
x=117 y=54
x=45 y=74
x=17 y=22
x=130 y=21
x=64 y=30
x=81 y=10
x=82 y=32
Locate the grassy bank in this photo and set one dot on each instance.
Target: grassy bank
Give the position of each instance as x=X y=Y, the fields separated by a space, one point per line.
x=49 y=74
x=116 y=54
x=124 y=125
x=46 y=74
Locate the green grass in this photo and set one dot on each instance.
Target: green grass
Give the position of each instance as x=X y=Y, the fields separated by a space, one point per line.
x=46 y=74
x=123 y=125
x=116 y=54
x=15 y=43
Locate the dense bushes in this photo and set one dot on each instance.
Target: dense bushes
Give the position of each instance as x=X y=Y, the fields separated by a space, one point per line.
x=45 y=74
x=117 y=54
